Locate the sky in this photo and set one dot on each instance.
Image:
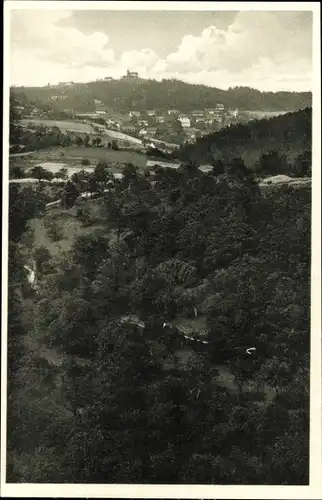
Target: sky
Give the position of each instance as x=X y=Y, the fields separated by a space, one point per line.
x=267 y=50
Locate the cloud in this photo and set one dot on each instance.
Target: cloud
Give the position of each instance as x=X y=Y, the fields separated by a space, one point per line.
x=249 y=43
x=265 y=50
x=38 y=32
x=38 y=43
x=141 y=60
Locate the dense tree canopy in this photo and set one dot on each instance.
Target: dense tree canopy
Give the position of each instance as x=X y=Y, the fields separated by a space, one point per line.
x=142 y=94
x=146 y=404
x=129 y=361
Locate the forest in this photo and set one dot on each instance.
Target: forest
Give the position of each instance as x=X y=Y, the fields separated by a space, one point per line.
x=135 y=398
x=124 y=96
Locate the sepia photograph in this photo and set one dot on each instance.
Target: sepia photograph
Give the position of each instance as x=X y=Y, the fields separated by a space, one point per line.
x=161 y=277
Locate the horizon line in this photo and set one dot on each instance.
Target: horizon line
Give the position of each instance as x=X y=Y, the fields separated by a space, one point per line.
x=121 y=78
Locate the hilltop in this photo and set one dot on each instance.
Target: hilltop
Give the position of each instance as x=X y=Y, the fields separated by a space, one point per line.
x=283 y=137
x=124 y=95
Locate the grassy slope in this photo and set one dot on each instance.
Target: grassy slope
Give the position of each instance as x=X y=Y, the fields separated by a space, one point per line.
x=101 y=154
x=74 y=155
x=78 y=126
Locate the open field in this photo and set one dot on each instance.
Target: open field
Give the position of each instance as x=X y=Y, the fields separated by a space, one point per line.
x=72 y=156
x=114 y=134
x=72 y=126
x=84 y=128
x=101 y=154
x=264 y=114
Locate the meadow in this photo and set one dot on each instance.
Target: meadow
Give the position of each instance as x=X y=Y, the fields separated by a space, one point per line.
x=81 y=127
x=72 y=156
x=72 y=126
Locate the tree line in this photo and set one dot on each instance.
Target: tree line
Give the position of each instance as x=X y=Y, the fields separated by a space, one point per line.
x=124 y=96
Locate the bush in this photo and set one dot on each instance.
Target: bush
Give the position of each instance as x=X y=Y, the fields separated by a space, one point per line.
x=85 y=162
x=54 y=231
x=84 y=215
x=42 y=258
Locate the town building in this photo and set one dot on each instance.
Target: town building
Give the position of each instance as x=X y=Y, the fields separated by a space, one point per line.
x=233 y=112
x=220 y=106
x=151 y=112
x=128 y=129
x=100 y=108
x=160 y=119
x=200 y=120
x=151 y=130
x=143 y=123
x=65 y=84
x=58 y=97
x=173 y=112
x=108 y=79
x=197 y=114
x=135 y=113
x=185 y=121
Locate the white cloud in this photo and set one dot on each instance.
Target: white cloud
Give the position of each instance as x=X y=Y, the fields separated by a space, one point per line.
x=43 y=51
x=265 y=50
x=138 y=60
x=251 y=38
x=39 y=33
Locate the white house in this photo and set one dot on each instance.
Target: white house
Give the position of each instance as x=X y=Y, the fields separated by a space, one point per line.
x=151 y=112
x=185 y=121
x=197 y=112
x=233 y=112
x=135 y=113
x=160 y=119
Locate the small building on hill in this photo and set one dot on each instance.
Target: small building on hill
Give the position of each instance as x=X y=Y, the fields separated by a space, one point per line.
x=131 y=75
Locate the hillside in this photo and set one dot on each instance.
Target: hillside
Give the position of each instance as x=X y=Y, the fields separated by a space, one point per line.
x=289 y=135
x=122 y=96
x=107 y=380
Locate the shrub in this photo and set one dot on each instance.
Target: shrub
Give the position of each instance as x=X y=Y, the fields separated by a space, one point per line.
x=54 y=231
